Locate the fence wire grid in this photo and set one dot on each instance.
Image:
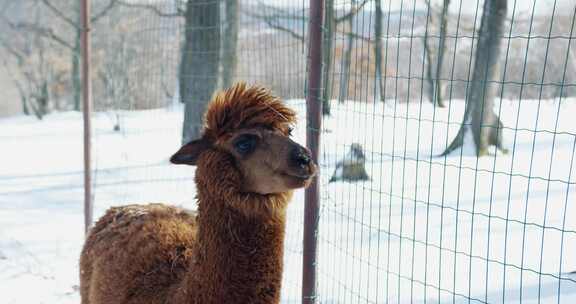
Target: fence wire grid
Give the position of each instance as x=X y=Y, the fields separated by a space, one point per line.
x=400 y=222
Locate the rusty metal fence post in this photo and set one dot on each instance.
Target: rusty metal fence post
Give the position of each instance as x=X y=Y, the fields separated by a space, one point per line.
x=86 y=112
x=313 y=126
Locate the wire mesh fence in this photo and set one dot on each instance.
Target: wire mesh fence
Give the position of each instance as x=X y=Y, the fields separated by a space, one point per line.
x=432 y=223
x=403 y=218
x=400 y=221
x=447 y=142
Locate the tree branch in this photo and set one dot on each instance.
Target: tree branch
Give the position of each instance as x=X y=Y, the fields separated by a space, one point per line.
x=278 y=13
x=355 y=36
x=151 y=7
x=13 y=78
x=271 y=20
x=59 y=13
x=42 y=31
x=104 y=11
x=352 y=12
x=11 y=50
x=292 y=33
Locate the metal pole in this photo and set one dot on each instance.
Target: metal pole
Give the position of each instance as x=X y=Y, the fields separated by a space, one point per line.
x=313 y=126
x=87 y=110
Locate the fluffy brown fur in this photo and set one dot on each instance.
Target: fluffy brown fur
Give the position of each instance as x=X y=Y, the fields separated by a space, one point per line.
x=245 y=107
x=231 y=252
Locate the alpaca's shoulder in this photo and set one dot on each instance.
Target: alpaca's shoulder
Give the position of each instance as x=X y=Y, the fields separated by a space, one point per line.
x=142 y=215
x=130 y=213
x=165 y=225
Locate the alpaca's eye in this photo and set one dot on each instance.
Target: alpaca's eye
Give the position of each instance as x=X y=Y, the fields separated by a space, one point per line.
x=245 y=143
x=290 y=131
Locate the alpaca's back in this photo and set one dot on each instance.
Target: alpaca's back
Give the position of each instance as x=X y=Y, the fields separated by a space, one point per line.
x=135 y=254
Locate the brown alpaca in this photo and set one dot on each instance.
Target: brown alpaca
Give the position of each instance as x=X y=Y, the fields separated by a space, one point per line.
x=231 y=251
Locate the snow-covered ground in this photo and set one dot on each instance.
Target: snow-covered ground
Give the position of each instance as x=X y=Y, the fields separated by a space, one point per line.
x=424 y=228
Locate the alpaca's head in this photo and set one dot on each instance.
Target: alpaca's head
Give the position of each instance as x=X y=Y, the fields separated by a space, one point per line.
x=253 y=127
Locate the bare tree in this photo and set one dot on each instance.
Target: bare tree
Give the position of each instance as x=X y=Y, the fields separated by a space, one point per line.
x=38 y=74
x=347 y=58
x=331 y=22
x=202 y=53
x=35 y=77
x=174 y=9
x=60 y=11
x=115 y=74
x=230 y=42
x=430 y=22
x=434 y=79
x=200 y=62
x=328 y=36
x=378 y=49
x=439 y=88
x=479 y=116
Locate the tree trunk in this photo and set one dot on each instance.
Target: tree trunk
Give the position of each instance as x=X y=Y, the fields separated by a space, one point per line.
x=327 y=48
x=43 y=99
x=76 y=79
x=25 y=109
x=429 y=64
x=441 y=50
x=479 y=117
x=346 y=60
x=378 y=15
x=230 y=43
x=200 y=63
x=23 y=95
x=75 y=57
x=430 y=53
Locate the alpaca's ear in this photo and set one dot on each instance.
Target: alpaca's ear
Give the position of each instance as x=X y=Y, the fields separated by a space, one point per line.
x=189 y=153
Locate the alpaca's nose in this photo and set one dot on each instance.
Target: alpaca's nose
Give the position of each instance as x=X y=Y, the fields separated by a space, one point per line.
x=300 y=157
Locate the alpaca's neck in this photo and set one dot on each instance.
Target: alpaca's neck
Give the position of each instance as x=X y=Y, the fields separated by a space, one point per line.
x=239 y=257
